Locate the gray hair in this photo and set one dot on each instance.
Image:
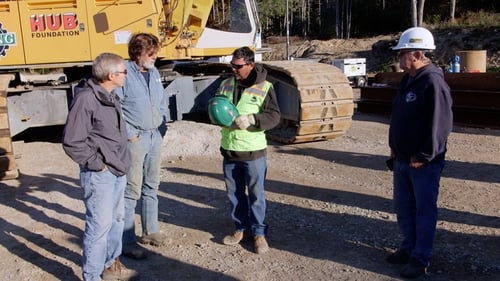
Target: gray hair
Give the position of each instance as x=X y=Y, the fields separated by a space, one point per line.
x=104 y=64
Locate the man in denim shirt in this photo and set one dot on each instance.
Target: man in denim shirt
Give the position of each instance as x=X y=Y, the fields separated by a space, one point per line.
x=144 y=105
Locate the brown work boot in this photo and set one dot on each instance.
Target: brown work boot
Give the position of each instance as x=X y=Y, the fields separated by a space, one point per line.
x=155 y=239
x=261 y=245
x=118 y=271
x=237 y=237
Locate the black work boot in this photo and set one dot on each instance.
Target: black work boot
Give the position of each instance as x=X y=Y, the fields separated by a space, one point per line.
x=398 y=257
x=413 y=269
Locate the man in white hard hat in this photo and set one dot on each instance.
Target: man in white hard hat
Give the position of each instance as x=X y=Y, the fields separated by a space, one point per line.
x=421 y=121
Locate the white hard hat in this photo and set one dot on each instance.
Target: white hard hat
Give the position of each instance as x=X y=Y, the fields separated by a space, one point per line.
x=416 y=38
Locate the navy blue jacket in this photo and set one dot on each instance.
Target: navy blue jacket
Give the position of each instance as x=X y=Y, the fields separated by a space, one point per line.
x=421 y=118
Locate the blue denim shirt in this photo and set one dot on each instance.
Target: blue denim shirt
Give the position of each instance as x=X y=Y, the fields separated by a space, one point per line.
x=144 y=105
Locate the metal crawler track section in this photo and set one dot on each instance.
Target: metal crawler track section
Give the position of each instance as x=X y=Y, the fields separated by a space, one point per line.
x=476 y=97
x=315 y=99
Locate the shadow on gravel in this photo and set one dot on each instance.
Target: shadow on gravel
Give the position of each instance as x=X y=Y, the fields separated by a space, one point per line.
x=30 y=243
x=25 y=241
x=351 y=230
x=484 y=172
x=379 y=118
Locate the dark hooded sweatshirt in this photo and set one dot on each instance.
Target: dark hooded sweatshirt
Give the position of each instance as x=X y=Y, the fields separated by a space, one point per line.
x=421 y=118
x=266 y=120
x=95 y=134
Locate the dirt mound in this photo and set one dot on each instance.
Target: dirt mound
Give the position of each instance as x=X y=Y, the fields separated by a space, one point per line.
x=187 y=138
x=378 y=53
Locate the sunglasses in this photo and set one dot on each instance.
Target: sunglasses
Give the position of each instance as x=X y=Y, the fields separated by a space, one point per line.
x=123 y=72
x=237 y=66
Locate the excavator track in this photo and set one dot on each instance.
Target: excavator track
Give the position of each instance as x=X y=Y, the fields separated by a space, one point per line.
x=315 y=99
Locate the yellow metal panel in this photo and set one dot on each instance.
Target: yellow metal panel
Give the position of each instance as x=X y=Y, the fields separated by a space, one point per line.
x=111 y=23
x=54 y=31
x=11 y=40
x=200 y=10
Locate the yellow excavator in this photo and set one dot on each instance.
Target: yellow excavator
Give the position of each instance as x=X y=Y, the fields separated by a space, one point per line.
x=46 y=46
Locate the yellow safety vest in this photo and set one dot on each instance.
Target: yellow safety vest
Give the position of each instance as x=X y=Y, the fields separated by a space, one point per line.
x=251 y=101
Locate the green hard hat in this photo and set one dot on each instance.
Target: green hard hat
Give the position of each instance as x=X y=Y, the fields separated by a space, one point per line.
x=222 y=111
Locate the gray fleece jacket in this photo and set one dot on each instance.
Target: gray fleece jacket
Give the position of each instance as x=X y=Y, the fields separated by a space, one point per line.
x=95 y=134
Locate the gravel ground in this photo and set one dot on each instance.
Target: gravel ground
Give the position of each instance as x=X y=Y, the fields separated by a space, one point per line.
x=329 y=211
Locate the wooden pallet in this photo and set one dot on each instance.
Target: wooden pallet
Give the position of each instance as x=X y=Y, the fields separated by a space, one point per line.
x=8 y=166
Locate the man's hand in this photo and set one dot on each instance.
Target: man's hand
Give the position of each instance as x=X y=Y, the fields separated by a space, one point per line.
x=244 y=121
x=415 y=163
x=133 y=139
x=163 y=129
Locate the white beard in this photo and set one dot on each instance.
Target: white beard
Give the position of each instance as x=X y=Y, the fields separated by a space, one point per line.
x=148 y=65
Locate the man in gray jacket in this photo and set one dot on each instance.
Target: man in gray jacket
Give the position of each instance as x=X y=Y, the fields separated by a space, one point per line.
x=95 y=137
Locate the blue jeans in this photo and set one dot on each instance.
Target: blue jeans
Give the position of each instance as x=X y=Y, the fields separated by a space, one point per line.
x=102 y=239
x=415 y=203
x=143 y=181
x=247 y=211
